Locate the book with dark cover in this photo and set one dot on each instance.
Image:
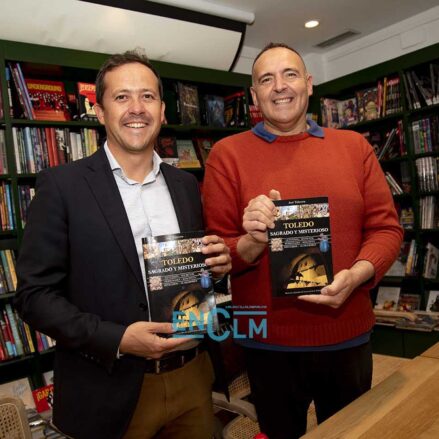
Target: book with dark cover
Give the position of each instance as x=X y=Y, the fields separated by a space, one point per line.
x=48 y=98
x=189 y=104
x=300 y=247
x=368 y=105
x=180 y=287
x=214 y=107
x=166 y=148
x=86 y=100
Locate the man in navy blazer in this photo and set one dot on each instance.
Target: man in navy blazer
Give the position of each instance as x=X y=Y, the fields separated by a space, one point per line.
x=81 y=279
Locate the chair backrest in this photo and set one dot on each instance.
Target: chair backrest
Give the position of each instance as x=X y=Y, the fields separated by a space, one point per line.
x=13 y=419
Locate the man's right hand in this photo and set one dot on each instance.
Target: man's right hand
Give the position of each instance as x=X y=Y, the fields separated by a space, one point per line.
x=258 y=216
x=141 y=339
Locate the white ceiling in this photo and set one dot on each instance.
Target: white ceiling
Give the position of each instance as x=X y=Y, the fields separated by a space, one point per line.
x=283 y=20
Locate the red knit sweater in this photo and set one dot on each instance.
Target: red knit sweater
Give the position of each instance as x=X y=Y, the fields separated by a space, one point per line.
x=364 y=224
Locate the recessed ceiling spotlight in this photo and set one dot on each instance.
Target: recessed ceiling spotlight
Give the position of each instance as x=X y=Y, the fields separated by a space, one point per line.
x=311 y=23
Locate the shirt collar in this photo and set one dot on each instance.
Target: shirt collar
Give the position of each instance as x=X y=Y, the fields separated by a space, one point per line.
x=117 y=169
x=313 y=130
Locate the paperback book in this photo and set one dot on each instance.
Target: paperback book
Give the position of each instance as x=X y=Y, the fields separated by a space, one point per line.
x=300 y=247
x=180 y=287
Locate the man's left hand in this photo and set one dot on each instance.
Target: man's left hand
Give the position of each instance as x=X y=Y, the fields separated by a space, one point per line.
x=345 y=281
x=219 y=260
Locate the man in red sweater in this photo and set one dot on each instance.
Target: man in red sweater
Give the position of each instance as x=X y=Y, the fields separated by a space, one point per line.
x=317 y=347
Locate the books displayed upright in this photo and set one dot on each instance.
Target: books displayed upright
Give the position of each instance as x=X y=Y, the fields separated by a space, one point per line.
x=48 y=99
x=189 y=104
x=86 y=100
x=387 y=298
x=180 y=287
x=187 y=156
x=300 y=247
x=214 y=111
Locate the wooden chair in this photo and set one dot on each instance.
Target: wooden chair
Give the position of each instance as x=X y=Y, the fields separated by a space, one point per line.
x=13 y=419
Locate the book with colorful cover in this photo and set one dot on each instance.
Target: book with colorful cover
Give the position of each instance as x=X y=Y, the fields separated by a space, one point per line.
x=187 y=157
x=368 y=105
x=48 y=98
x=43 y=397
x=300 y=247
x=409 y=302
x=180 y=287
x=86 y=100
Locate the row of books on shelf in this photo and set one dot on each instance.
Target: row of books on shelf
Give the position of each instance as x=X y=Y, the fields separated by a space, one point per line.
x=368 y=104
x=428 y=213
x=37 y=99
x=4 y=168
x=392 y=307
x=16 y=338
x=422 y=86
x=26 y=193
x=184 y=153
x=388 y=144
x=427 y=172
x=184 y=106
x=39 y=148
x=8 y=276
x=7 y=211
x=425 y=134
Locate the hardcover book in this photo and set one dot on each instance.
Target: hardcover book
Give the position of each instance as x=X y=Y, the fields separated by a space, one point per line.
x=48 y=98
x=86 y=100
x=300 y=247
x=189 y=104
x=180 y=287
x=214 y=108
x=43 y=398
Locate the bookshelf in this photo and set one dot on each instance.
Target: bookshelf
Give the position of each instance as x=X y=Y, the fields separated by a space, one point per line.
x=72 y=66
x=415 y=156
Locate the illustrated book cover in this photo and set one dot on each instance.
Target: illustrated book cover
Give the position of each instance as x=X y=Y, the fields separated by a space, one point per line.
x=166 y=148
x=300 y=247
x=86 y=100
x=189 y=104
x=180 y=286
x=43 y=397
x=49 y=100
x=187 y=156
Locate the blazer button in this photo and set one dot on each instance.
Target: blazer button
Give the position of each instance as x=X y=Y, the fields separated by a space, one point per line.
x=143 y=306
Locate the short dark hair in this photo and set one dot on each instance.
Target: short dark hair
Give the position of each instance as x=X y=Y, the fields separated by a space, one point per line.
x=120 y=59
x=270 y=46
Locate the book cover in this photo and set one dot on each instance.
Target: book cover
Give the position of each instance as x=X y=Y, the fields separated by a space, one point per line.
x=20 y=389
x=368 y=106
x=187 y=157
x=300 y=247
x=86 y=100
x=189 y=104
x=214 y=107
x=166 y=148
x=433 y=301
x=409 y=302
x=48 y=98
x=180 y=287
x=387 y=298
x=43 y=397
x=431 y=261
x=347 y=112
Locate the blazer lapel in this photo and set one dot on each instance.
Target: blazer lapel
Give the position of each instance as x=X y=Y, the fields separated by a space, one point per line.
x=104 y=188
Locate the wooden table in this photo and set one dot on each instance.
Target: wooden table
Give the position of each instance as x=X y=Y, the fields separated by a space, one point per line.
x=404 y=406
x=433 y=352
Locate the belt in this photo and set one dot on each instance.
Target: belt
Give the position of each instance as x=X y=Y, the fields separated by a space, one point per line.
x=173 y=361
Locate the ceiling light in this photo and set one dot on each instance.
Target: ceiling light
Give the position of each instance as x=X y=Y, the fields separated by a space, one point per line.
x=311 y=23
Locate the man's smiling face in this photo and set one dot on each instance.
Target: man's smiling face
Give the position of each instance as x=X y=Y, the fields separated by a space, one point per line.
x=281 y=90
x=131 y=109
